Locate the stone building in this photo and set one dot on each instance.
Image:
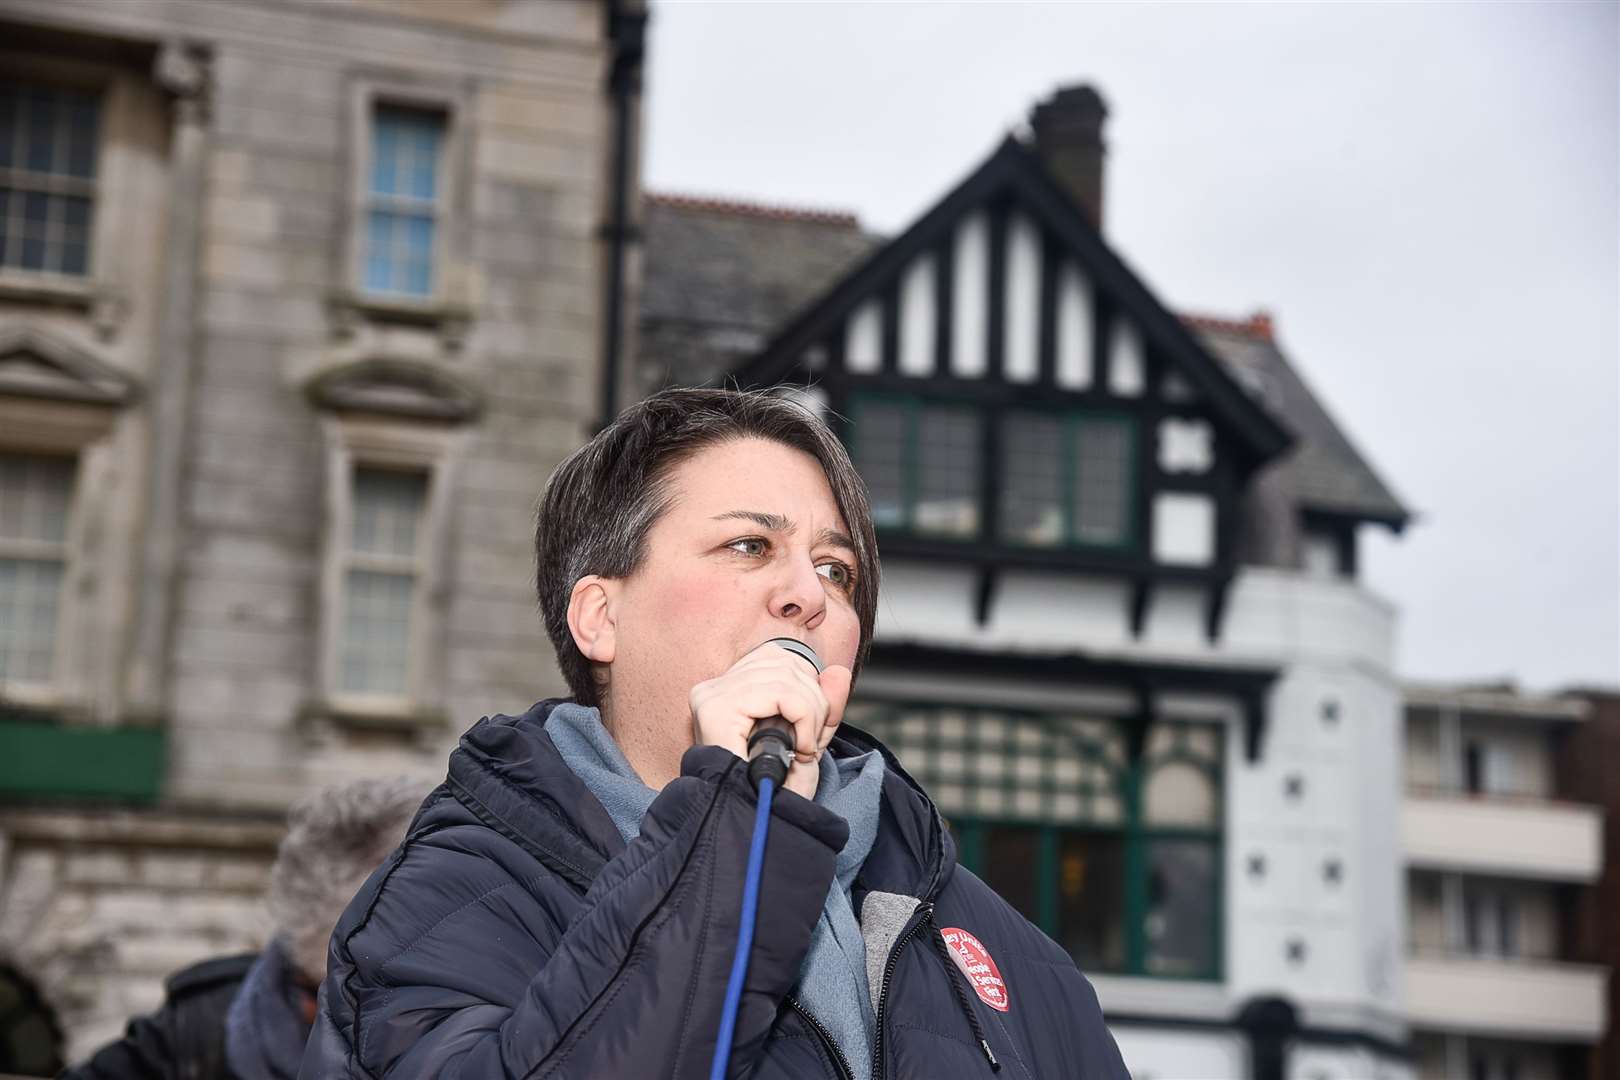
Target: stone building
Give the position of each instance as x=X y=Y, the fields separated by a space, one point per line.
x=299 y=305
x=1122 y=636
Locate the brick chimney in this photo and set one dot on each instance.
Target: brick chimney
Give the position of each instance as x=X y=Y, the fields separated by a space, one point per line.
x=1068 y=137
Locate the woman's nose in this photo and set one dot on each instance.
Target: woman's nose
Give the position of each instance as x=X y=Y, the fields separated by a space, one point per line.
x=800 y=598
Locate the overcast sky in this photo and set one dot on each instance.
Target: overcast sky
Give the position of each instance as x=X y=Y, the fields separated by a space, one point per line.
x=1425 y=196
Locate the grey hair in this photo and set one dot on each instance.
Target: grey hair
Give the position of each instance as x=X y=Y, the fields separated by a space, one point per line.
x=600 y=503
x=334 y=840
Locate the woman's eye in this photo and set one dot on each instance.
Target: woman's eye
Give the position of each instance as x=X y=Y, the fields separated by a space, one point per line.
x=748 y=545
x=837 y=573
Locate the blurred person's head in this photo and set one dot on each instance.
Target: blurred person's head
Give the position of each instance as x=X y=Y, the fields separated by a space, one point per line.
x=696 y=526
x=335 y=839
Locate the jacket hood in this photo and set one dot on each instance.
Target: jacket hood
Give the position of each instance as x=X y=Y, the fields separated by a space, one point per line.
x=508 y=773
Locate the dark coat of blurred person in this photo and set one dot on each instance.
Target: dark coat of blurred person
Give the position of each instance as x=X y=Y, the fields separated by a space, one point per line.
x=566 y=906
x=247 y=1017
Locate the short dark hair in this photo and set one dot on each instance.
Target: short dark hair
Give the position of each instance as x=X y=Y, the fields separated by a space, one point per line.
x=600 y=503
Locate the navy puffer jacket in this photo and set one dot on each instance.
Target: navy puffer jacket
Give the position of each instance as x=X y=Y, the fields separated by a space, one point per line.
x=514 y=934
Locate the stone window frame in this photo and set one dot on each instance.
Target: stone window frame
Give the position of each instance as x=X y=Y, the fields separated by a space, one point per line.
x=446 y=307
x=101 y=289
x=359 y=442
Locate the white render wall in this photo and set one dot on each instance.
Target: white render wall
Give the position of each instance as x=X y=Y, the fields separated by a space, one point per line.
x=1334 y=735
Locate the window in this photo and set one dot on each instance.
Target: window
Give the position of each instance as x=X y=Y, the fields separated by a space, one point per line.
x=1491 y=919
x=1066 y=480
x=380 y=582
x=47 y=177
x=1490 y=768
x=1118 y=862
x=402 y=201
x=920 y=462
x=35 y=492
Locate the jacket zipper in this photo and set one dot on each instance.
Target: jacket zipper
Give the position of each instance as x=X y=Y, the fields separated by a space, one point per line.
x=826 y=1038
x=919 y=918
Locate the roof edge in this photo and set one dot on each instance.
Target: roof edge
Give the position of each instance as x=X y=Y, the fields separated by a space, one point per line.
x=714 y=204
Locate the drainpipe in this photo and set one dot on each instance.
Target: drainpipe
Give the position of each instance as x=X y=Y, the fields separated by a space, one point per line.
x=626 y=29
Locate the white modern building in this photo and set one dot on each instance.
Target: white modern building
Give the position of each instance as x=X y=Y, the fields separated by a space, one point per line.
x=1121 y=635
x=1497 y=861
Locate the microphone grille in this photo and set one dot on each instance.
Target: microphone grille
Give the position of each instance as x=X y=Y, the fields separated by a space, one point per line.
x=794 y=645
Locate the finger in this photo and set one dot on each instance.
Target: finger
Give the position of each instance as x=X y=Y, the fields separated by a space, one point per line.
x=835 y=683
x=773 y=693
x=802 y=676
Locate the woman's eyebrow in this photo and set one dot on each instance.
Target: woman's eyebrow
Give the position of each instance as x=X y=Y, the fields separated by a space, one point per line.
x=835 y=538
x=779 y=523
x=773 y=522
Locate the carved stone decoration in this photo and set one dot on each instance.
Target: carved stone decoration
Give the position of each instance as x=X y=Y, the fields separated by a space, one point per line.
x=39 y=365
x=184 y=69
x=396 y=387
x=108 y=308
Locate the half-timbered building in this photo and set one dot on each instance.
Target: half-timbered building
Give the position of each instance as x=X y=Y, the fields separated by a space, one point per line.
x=1121 y=637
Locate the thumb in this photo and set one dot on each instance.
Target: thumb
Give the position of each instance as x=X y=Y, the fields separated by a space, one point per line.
x=835 y=683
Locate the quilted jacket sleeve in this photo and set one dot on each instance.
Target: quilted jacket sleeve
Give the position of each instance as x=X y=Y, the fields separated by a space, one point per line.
x=632 y=987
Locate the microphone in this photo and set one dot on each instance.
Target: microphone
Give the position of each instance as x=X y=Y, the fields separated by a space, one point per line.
x=770 y=746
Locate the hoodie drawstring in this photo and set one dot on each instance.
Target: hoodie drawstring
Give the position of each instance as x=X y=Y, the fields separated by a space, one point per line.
x=955 y=978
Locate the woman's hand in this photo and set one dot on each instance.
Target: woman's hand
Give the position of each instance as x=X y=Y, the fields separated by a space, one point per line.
x=771 y=681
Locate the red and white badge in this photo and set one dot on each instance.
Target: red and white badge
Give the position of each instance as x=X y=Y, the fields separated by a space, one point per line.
x=981 y=971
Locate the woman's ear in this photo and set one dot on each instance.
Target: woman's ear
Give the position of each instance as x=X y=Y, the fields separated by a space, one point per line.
x=590 y=617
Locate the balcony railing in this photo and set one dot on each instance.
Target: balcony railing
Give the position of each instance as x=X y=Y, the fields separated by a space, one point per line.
x=1506 y=836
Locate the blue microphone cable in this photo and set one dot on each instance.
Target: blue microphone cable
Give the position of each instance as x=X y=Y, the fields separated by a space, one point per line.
x=770 y=753
x=745 y=933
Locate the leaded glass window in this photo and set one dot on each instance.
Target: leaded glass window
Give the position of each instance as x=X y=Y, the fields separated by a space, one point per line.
x=921 y=465
x=1066 y=479
x=1117 y=860
x=48 y=141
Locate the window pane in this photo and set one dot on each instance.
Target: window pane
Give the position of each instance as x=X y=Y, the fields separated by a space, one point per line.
x=1032 y=480
x=1011 y=857
x=81 y=134
x=10 y=122
x=387 y=508
x=39 y=123
x=1102 y=481
x=405 y=146
x=1179 y=927
x=879 y=437
x=29 y=592
x=1091 y=899
x=384 y=155
x=73 y=258
x=424 y=161
x=379 y=247
x=34 y=495
x=418 y=268
x=36 y=211
x=376 y=632
x=947 y=472
x=1179 y=793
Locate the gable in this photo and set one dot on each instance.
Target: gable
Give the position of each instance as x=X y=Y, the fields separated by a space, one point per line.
x=1005 y=286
